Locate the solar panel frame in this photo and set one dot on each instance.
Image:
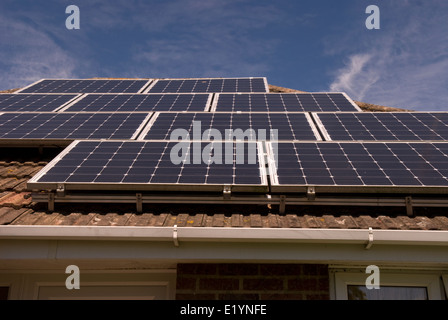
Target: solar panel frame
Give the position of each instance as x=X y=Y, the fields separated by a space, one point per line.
x=294 y=130
x=35 y=183
x=35 y=98
x=397 y=167
x=74 y=107
x=216 y=107
x=147 y=82
x=54 y=128
x=389 y=126
x=158 y=81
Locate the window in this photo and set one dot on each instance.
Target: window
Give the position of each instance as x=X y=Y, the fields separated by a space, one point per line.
x=350 y=284
x=356 y=292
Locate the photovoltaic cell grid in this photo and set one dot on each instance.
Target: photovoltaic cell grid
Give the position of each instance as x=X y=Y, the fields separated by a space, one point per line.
x=86 y=86
x=141 y=102
x=33 y=102
x=283 y=102
x=62 y=126
x=134 y=162
x=228 y=126
x=361 y=164
x=210 y=85
x=399 y=126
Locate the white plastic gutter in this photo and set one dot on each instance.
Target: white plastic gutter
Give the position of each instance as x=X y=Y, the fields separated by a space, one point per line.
x=177 y=235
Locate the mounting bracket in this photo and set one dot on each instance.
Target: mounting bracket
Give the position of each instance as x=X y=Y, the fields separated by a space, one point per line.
x=409 y=208
x=282 y=206
x=60 y=190
x=139 y=200
x=227 y=192
x=51 y=202
x=311 y=193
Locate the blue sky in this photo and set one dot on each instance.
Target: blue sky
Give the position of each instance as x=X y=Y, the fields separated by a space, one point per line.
x=310 y=45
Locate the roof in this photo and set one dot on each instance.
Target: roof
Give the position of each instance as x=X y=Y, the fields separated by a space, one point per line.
x=17 y=208
x=17 y=166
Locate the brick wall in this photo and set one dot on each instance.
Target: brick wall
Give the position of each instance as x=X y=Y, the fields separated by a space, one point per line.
x=252 y=282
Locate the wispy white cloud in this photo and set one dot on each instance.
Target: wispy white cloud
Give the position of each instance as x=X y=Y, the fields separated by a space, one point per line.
x=28 y=54
x=353 y=78
x=402 y=65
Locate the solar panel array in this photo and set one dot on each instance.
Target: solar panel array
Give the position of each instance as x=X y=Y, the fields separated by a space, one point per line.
x=396 y=126
x=209 y=85
x=362 y=165
x=230 y=126
x=141 y=102
x=86 y=86
x=148 y=164
x=70 y=126
x=167 y=135
x=284 y=102
x=33 y=102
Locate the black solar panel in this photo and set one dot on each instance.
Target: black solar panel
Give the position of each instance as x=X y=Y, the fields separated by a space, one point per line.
x=141 y=102
x=398 y=126
x=283 y=102
x=71 y=126
x=33 y=102
x=86 y=86
x=374 y=164
x=228 y=126
x=210 y=85
x=154 y=165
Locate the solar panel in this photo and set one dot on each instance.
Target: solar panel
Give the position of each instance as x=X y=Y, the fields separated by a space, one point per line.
x=377 y=166
x=397 y=126
x=209 y=85
x=230 y=126
x=284 y=102
x=137 y=165
x=141 y=102
x=71 y=126
x=86 y=86
x=33 y=102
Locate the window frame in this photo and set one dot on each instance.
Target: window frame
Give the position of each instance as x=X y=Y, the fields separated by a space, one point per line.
x=406 y=278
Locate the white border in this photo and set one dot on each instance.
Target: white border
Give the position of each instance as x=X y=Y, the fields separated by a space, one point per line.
x=84 y=95
x=142 y=89
x=25 y=284
x=70 y=103
x=350 y=100
x=215 y=102
x=321 y=126
x=343 y=279
x=272 y=165
x=45 y=169
x=77 y=79
x=148 y=126
x=231 y=78
x=142 y=126
x=28 y=86
x=262 y=164
x=309 y=118
x=34 y=184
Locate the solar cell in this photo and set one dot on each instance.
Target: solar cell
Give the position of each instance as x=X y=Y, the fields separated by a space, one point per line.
x=86 y=86
x=70 y=126
x=397 y=126
x=151 y=165
x=209 y=85
x=141 y=102
x=230 y=126
x=33 y=102
x=283 y=102
x=368 y=165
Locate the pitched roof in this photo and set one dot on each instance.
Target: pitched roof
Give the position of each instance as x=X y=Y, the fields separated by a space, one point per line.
x=17 y=166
